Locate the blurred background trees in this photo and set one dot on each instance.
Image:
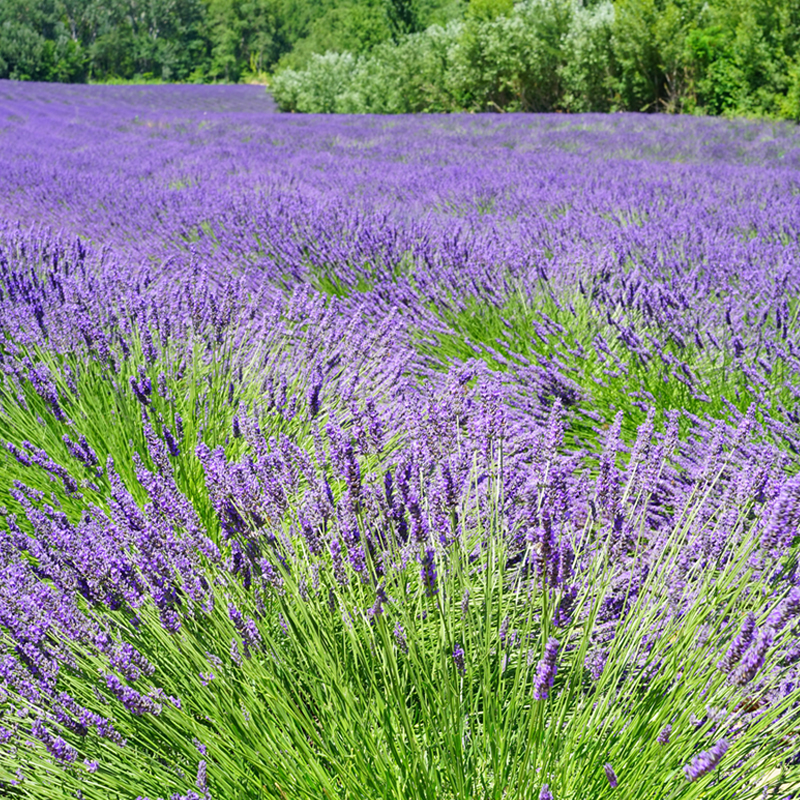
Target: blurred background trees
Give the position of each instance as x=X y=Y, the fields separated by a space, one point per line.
x=696 y=56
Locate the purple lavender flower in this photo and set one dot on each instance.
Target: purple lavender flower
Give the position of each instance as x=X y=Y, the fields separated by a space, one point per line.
x=706 y=761
x=663 y=736
x=202 y=777
x=428 y=572
x=81 y=451
x=458 y=658
x=246 y=628
x=206 y=678
x=142 y=388
x=739 y=645
x=607 y=487
x=235 y=652
x=138 y=704
x=171 y=442
x=611 y=776
x=380 y=600
x=42 y=381
x=56 y=746
x=400 y=637
x=545 y=793
x=787 y=610
x=753 y=660
x=546 y=670
x=784 y=520
x=563 y=613
x=338 y=562
x=595 y=662
x=314 y=390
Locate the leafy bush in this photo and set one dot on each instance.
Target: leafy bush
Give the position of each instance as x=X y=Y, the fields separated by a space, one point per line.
x=588 y=67
x=522 y=62
x=321 y=86
x=544 y=55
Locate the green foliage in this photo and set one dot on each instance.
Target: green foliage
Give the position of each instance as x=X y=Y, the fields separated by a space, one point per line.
x=723 y=57
x=512 y=62
x=403 y=16
x=790 y=105
x=508 y=62
x=74 y=40
x=189 y=40
x=693 y=56
x=321 y=87
x=487 y=10
x=36 y=44
x=588 y=65
x=242 y=33
x=711 y=53
x=351 y=27
x=648 y=42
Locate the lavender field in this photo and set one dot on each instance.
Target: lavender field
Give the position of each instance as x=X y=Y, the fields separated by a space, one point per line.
x=405 y=458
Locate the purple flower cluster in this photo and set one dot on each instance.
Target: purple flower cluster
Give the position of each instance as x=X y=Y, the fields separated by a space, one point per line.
x=546 y=670
x=663 y=736
x=458 y=659
x=706 y=762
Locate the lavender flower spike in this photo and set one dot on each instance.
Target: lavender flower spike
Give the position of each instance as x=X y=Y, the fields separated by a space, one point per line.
x=611 y=775
x=202 y=778
x=787 y=610
x=663 y=737
x=546 y=671
x=428 y=573
x=739 y=645
x=545 y=794
x=400 y=637
x=706 y=761
x=458 y=657
x=753 y=660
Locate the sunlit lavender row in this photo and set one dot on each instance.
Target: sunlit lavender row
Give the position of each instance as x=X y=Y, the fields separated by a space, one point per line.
x=348 y=457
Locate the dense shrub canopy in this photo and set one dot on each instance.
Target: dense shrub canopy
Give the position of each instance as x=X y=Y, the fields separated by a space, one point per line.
x=566 y=55
x=192 y=40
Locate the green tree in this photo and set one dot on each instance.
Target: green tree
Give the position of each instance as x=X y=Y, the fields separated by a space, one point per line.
x=487 y=10
x=241 y=33
x=350 y=27
x=650 y=49
x=403 y=17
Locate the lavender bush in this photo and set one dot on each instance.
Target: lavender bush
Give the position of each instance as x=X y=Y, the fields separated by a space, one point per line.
x=449 y=458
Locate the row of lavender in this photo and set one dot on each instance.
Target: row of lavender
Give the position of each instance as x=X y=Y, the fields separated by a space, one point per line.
x=446 y=458
x=684 y=266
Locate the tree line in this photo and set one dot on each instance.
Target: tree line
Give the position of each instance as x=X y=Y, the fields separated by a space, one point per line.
x=191 y=40
x=383 y=56
x=714 y=57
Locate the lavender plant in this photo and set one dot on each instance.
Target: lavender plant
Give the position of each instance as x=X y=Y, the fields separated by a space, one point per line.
x=313 y=493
